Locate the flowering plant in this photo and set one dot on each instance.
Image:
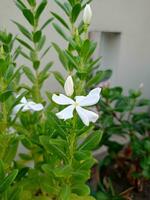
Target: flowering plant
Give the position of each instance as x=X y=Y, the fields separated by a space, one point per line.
x=47 y=153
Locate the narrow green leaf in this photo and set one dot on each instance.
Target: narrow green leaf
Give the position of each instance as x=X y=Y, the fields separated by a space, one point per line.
x=75 y=12
x=61 y=55
x=91 y=141
x=99 y=77
x=8 y=180
x=63 y=7
x=45 y=52
x=40 y=9
x=59 y=77
x=25 y=44
x=20 y=5
x=32 y=3
x=29 y=74
x=60 y=31
x=41 y=43
x=29 y=16
x=46 y=23
x=2 y=174
x=61 y=20
x=23 y=30
x=65 y=193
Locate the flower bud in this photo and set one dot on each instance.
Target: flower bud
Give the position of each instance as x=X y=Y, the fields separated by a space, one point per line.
x=69 y=86
x=87 y=15
x=141 y=86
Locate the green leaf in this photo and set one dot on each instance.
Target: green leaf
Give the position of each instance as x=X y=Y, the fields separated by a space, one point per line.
x=20 y=5
x=92 y=141
x=63 y=7
x=23 y=30
x=32 y=3
x=59 y=77
x=61 y=20
x=2 y=173
x=5 y=95
x=45 y=52
x=71 y=59
x=62 y=56
x=29 y=16
x=41 y=43
x=37 y=36
x=29 y=74
x=81 y=189
x=65 y=193
x=25 y=44
x=11 y=151
x=15 y=194
x=99 y=77
x=75 y=12
x=54 y=145
x=46 y=23
x=8 y=180
x=60 y=31
x=40 y=9
x=76 y=197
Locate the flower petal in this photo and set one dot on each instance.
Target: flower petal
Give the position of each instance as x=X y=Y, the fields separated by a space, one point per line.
x=25 y=108
x=91 y=99
x=24 y=100
x=66 y=113
x=17 y=108
x=35 y=106
x=86 y=115
x=62 y=99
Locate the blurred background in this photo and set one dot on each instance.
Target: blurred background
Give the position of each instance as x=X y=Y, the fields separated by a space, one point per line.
x=122 y=30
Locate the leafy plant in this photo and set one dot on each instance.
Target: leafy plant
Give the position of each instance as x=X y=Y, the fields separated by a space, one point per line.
x=127 y=118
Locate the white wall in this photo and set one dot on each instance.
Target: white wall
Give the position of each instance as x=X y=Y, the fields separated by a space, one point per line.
x=130 y=17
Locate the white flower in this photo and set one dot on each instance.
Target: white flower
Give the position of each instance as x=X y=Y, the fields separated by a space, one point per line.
x=87 y=14
x=27 y=105
x=69 y=86
x=80 y=101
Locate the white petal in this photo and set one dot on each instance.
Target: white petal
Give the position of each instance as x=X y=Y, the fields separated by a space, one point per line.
x=24 y=100
x=91 y=99
x=25 y=108
x=86 y=115
x=17 y=108
x=35 y=106
x=69 y=86
x=62 y=99
x=66 y=113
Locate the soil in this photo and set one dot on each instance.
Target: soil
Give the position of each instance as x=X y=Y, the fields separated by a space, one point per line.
x=121 y=184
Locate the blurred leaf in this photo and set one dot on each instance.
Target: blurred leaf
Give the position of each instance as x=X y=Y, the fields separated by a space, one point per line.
x=8 y=180
x=91 y=141
x=75 y=12
x=29 y=16
x=37 y=36
x=61 y=20
x=23 y=30
x=40 y=9
x=99 y=77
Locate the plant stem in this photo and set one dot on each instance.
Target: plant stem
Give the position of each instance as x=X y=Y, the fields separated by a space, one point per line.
x=72 y=141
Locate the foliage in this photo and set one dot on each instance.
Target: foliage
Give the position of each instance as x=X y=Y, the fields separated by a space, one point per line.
x=127 y=118
x=57 y=155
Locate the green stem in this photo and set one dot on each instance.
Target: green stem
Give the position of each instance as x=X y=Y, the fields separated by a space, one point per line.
x=4 y=106
x=4 y=196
